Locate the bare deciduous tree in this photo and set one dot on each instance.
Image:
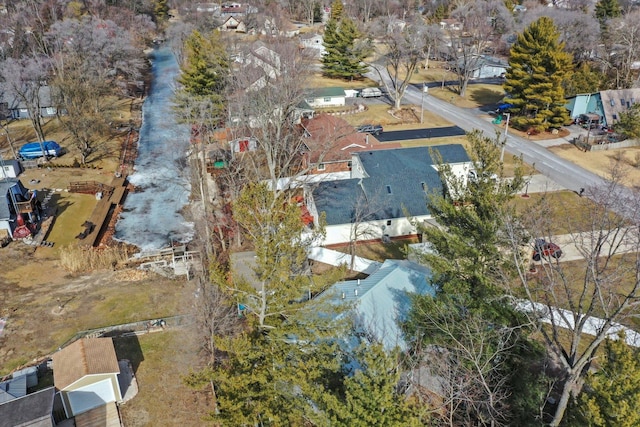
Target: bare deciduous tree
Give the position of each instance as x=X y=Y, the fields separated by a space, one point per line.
x=406 y=48
x=581 y=304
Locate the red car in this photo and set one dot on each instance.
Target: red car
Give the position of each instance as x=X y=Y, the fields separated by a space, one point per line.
x=542 y=248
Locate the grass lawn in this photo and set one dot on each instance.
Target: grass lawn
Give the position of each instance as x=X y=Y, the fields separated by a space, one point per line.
x=158 y=360
x=477 y=95
x=379 y=114
x=318 y=80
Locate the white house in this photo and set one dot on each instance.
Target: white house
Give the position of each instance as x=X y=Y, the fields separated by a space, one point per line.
x=85 y=374
x=386 y=195
x=313 y=41
x=326 y=97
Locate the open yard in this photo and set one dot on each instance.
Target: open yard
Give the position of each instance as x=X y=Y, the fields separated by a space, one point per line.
x=476 y=96
x=160 y=361
x=44 y=305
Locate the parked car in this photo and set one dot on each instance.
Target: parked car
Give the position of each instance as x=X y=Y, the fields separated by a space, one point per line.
x=542 y=248
x=372 y=129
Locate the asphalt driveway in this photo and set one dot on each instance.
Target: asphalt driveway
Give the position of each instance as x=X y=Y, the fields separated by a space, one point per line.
x=402 y=135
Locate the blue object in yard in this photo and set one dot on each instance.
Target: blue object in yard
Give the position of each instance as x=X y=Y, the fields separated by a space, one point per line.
x=33 y=150
x=503 y=107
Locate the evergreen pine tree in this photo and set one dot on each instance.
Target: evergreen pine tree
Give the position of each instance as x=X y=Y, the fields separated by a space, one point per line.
x=612 y=393
x=344 y=52
x=201 y=97
x=607 y=9
x=336 y=10
x=538 y=66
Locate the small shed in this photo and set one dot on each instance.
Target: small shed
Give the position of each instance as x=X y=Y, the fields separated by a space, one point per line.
x=86 y=375
x=327 y=97
x=10 y=169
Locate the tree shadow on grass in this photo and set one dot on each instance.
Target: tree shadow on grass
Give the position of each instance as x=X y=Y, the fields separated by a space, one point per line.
x=487 y=98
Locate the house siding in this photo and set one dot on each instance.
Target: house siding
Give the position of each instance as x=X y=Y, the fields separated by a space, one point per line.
x=341 y=233
x=329 y=101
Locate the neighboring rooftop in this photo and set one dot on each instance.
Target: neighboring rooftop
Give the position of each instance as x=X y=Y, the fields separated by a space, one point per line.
x=396 y=182
x=384 y=298
x=326 y=91
x=84 y=357
x=33 y=410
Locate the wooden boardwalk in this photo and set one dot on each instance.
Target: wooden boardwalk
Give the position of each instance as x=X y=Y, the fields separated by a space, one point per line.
x=101 y=213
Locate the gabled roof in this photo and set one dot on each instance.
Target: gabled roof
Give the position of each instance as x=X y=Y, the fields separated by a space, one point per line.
x=31 y=410
x=326 y=91
x=383 y=299
x=618 y=101
x=84 y=357
x=334 y=139
x=395 y=180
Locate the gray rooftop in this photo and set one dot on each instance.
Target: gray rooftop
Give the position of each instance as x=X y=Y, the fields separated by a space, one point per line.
x=398 y=180
x=33 y=410
x=5 y=185
x=383 y=299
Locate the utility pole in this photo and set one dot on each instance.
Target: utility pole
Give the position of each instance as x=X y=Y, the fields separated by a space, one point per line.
x=425 y=88
x=506 y=135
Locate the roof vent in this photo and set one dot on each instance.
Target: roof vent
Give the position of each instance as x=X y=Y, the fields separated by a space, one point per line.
x=358 y=282
x=356 y=292
x=343 y=295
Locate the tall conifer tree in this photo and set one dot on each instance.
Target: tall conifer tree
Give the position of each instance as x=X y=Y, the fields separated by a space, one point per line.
x=537 y=67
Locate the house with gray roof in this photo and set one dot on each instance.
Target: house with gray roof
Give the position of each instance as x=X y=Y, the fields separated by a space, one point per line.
x=29 y=410
x=386 y=194
x=13 y=107
x=381 y=301
x=608 y=104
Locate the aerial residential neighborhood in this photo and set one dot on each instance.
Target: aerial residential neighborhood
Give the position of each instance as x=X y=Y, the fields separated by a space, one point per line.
x=319 y=213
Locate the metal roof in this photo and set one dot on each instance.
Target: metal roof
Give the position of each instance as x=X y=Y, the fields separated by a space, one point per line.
x=383 y=298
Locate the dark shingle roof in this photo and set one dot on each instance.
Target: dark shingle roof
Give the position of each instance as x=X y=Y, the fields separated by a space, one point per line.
x=397 y=180
x=32 y=409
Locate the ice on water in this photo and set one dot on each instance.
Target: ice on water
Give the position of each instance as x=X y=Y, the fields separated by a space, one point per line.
x=151 y=217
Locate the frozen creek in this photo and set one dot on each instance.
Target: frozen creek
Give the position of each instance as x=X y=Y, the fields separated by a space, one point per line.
x=151 y=218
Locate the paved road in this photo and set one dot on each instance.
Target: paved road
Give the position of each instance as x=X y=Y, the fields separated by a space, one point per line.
x=565 y=173
x=403 y=135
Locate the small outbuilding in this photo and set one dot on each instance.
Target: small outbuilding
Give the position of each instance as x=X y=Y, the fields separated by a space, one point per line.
x=86 y=375
x=10 y=168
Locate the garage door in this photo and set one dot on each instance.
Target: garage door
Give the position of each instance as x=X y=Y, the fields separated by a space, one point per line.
x=91 y=396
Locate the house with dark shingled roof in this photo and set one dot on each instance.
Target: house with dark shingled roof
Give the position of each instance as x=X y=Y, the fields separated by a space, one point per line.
x=386 y=195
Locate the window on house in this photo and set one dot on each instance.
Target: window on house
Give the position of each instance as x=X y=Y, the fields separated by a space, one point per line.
x=349 y=165
x=321 y=166
x=388 y=189
x=388 y=222
x=613 y=103
x=615 y=117
x=622 y=101
x=327 y=99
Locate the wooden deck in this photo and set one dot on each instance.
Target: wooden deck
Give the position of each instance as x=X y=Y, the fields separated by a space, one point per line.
x=101 y=213
x=102 y=416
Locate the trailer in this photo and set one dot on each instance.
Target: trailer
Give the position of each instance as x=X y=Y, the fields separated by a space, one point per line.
x=370 y=92
x=33 y=150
